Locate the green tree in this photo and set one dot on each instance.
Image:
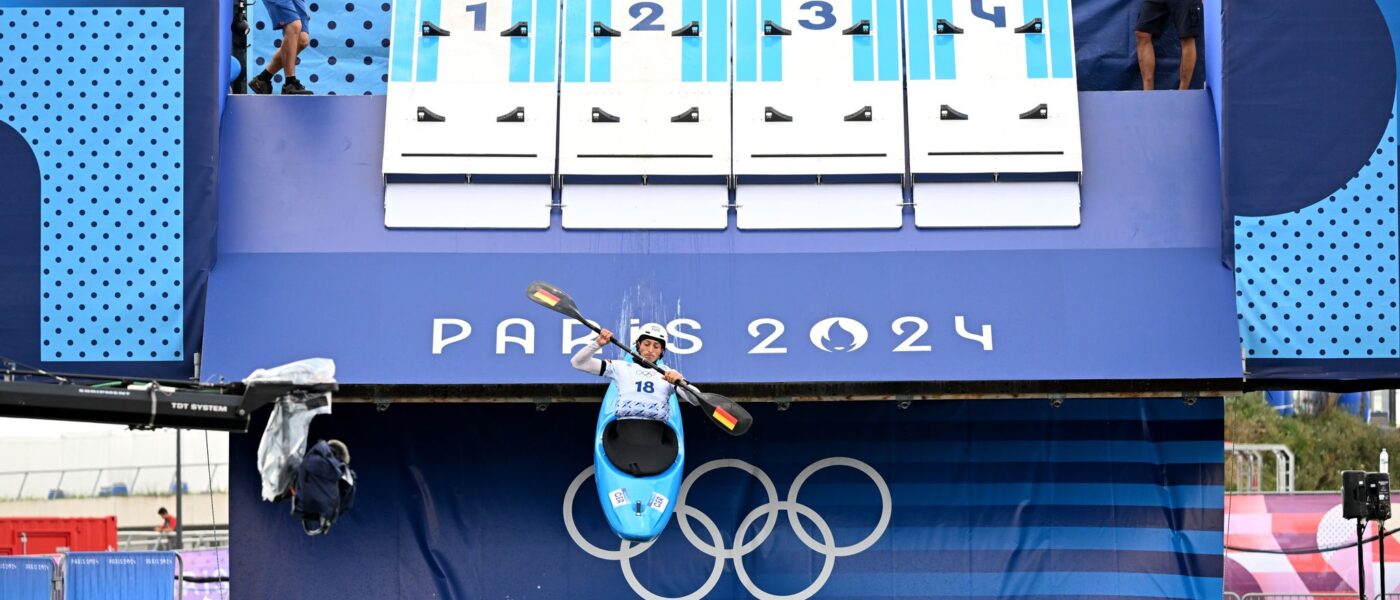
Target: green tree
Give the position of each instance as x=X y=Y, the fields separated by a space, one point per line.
x=1323 y=445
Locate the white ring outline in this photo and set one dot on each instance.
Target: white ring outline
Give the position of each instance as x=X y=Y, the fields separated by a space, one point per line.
x=684 y=512
x=572 y=527
x=710 y=582
x=886 y=507
x=764 y=532
x=827 y=565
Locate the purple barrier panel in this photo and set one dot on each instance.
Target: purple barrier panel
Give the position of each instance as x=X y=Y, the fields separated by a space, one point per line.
x=205 y=564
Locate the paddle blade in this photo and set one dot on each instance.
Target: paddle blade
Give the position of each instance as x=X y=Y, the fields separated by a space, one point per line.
x=726 y=414
x=553 y=298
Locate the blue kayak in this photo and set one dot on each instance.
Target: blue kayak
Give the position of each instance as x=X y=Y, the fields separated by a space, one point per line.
x=637 y=464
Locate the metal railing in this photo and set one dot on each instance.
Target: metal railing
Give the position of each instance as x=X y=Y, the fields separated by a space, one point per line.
x=1312 y=596
x=1317 y=596
x=1248 y=462
x=210 y=469
x=164 y=540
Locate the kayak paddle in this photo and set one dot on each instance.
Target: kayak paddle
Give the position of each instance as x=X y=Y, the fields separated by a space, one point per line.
x=723 y=412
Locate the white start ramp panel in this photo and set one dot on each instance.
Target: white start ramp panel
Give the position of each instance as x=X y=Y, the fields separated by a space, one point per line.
x=645 y=206
x=1007 y=204
x=992 y=97
x=992 y=89
x=471 y=97
x=645 y=89
x=645 y=100
x=817 y=88
x=818 y=98
x=807 y=206
x=472 y=88
x=463 y=206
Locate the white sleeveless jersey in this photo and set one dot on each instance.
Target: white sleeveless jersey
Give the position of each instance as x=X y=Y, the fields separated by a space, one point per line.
x=642 y=393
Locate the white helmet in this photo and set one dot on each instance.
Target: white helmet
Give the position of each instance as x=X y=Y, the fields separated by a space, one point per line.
x=654 y=331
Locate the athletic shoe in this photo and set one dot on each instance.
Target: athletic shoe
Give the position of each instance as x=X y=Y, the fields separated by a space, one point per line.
x=259 y=86
x=294 y=88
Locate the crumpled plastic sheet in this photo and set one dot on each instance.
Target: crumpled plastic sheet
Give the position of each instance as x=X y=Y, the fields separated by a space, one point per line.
x=283 y=444
x=310 y=371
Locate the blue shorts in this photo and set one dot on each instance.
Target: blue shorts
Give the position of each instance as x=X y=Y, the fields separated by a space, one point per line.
x=285 y=11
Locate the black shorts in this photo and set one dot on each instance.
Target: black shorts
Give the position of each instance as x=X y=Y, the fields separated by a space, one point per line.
x=1188 y=15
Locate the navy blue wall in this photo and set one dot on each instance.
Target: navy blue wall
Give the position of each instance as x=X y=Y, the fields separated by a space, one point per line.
x=1096 y=499
x=1105 y=48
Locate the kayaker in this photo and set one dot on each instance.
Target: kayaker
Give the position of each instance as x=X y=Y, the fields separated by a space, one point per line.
x=642 y=393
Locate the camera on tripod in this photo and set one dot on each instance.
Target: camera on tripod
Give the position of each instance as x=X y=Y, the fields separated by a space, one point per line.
x=1365 y=495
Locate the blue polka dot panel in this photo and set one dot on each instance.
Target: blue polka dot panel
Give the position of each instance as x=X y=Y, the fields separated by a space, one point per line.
x=1321 y=282
x=97 y=94
x=348 y=52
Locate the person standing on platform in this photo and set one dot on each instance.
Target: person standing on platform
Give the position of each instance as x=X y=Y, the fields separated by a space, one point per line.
x=291 y=17
x=166 y=528
x=1188 y=15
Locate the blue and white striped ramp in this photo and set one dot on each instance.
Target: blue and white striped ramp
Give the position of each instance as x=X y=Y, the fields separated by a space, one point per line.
x=470 y=121
x=993 y=113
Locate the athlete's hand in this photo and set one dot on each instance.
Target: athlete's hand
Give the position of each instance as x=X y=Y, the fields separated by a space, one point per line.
x=673 y=376
x=604 y=336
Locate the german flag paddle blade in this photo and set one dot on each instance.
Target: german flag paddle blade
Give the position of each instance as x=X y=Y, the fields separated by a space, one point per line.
x=553 y=298
x=726 y=413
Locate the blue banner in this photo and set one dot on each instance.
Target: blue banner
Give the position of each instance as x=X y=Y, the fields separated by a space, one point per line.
x=119 y=576
x=26 y=578
x=1108 y=499
x=953 y=316
x=1313 y=205
x=105 y=252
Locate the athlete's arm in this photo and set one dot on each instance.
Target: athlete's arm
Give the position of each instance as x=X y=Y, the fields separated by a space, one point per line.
x=584 y=359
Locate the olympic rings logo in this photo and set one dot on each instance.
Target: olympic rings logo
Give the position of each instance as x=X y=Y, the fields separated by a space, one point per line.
x=715 y=548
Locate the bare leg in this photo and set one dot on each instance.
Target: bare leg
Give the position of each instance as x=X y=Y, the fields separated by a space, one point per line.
x=291 y=46
x=1188 y=62
x=275 y=65
x=1147 y=60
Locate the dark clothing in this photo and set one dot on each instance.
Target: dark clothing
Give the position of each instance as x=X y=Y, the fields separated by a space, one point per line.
x=325 y=489
x=1187 y=15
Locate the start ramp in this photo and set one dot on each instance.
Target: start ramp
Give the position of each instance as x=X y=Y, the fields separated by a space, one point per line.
x=471 y=114
x=814 y=114
x=644 y=114
x=994 y=132
x=818 y=114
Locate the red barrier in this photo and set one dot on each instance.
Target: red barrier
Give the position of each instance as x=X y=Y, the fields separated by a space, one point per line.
x=45 y=535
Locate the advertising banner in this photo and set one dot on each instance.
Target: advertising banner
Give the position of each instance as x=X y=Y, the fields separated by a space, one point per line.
x=119 y=575
x=443 y=318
